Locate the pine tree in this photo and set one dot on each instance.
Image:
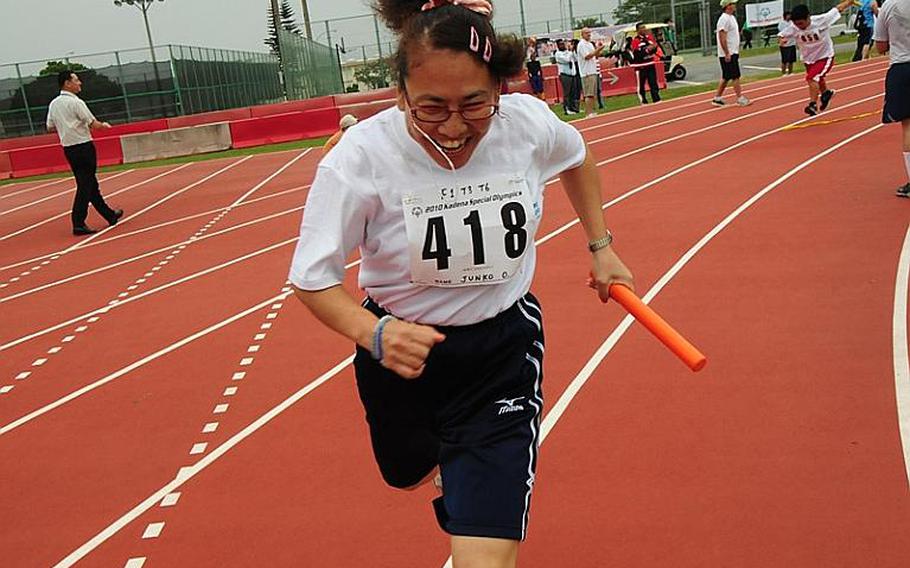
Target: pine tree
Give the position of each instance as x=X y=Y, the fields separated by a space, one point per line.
x=288 y=23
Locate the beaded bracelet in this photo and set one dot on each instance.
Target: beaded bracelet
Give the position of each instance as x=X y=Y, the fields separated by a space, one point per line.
x=376 y=352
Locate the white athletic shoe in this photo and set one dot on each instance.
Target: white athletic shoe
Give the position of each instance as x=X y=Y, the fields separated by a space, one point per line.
x=743 y=101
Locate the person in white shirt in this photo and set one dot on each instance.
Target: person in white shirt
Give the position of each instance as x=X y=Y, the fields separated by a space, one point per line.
x=588 y=68
x=728 y=52
x=813 y=38
x=892 y=36
x=787 y=47
x=71 y=118
x=565 y=61
x=443 y=195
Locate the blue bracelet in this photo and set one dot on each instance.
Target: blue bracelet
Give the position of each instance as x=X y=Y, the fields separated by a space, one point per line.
x=376 y=352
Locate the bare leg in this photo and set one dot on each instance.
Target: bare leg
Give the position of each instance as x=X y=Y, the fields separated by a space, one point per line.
x=813 y=91
x=589 y=105
x=481 y=552
x=721 y=87
x=737 y=88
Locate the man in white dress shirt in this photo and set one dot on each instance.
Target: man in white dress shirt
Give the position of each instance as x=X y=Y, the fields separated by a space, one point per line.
x=71 y=118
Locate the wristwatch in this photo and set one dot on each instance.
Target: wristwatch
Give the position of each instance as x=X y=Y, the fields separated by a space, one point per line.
x=602 y=242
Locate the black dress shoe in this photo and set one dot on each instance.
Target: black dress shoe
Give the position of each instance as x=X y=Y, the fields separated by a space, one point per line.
x=118 y=213
x=83 y=230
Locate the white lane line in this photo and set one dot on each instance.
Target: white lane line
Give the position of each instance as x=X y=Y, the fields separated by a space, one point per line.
x=846 y=71
x=198 y=448
x=758 y=67
x=684 y=82
x=694 y=164
x=246 y=361
x=153 y=530
x=901 y=357
x=209 y=427
x=6 y=388
x=40 y=186
x=135 y=365
x=189 y=472
x=138 y=562
x=23 y=375
x=220 y=408
x=66 y=213
x=126 y=261
x=230 y=391
x=39 y=362
x=238 y=376
x=49 y=197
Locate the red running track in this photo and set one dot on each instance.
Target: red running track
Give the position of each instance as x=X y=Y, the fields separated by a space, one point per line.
x=176 y=408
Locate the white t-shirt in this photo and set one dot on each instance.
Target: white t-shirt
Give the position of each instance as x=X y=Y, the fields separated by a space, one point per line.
x=70 y=116
x=357 y=201
x=727 y=23
x=893 y=26
x=586 y=66
x=814 y=42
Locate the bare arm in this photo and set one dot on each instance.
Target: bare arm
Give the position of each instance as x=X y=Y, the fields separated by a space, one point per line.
x=405 y=345
x=582 y=186
x=95 y=124
x=882 y=46
x=844 y=5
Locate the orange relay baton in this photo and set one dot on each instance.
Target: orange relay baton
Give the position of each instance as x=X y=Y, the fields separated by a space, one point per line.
x=678 y=344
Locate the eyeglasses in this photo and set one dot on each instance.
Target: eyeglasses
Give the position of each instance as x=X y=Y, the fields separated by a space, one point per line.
x=439 y=113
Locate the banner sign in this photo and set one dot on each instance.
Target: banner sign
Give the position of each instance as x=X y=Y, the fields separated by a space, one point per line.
x=764 y=13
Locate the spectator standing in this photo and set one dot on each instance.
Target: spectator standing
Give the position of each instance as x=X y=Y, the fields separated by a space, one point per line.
x=787 y=47
x=892 y=36
x=865 y=24
x=73 y=121
x=346 y=122
x=588 y=68
x=646 y=55
x=535 y=73
x=565 y=61
x=728 y=53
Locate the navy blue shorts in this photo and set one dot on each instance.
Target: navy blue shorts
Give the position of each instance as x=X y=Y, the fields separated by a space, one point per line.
x=475 y=412
x=897 y=93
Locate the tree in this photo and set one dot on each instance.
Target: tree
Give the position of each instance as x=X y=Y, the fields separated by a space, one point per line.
x=288 y=23
x=54 y=67
x=589 y=23
x=631 y=11
x=375 y=74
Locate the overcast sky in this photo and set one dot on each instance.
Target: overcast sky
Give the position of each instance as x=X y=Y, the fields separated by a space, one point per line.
x=48 y=29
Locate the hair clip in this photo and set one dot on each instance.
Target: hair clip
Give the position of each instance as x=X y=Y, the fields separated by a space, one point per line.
x=475 y=40
x=487 y=50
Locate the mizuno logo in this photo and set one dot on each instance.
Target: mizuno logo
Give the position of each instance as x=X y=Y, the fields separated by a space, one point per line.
x=510 y=405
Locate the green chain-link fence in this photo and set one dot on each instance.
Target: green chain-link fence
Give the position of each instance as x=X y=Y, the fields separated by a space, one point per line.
x=310 y=69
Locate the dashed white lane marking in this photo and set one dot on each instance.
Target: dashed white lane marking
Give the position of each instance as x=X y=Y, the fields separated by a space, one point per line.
x=68 y=338
x=93 y=319
x=259 y=337
x=238 y=376
x=198 y=448
x=54 y=350
x=39 y=362
x=265 y=326
x=246 y=361
x=221 y=408
x=901 y=355
x=23 y=375
x=271 y=316
x=252 y=349
x=230 y=391
x=153 y=530
x=135 y=562
x=81 y=328
x=188 y=472
x=209 y=427
x=170 y=499
x=6 y=388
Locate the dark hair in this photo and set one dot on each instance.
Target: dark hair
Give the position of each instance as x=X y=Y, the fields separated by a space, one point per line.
x=799 y=13
x=668 y=20
x=786 y=13
x=63 y=77
x=448 y=27
x=639 y=24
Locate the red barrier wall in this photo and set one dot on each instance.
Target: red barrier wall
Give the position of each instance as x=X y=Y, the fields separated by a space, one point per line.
x=327 y=101
x=209 y=117
x=284 y=127
x=6 y=170
x=131 y=128
x=26 y=141
x=47 y=159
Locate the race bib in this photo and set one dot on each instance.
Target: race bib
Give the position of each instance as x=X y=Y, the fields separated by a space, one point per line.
x=471 y=234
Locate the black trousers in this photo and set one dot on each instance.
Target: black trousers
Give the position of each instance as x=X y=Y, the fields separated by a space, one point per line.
x=569 y=93
x=648 y=76
x=84 y=162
